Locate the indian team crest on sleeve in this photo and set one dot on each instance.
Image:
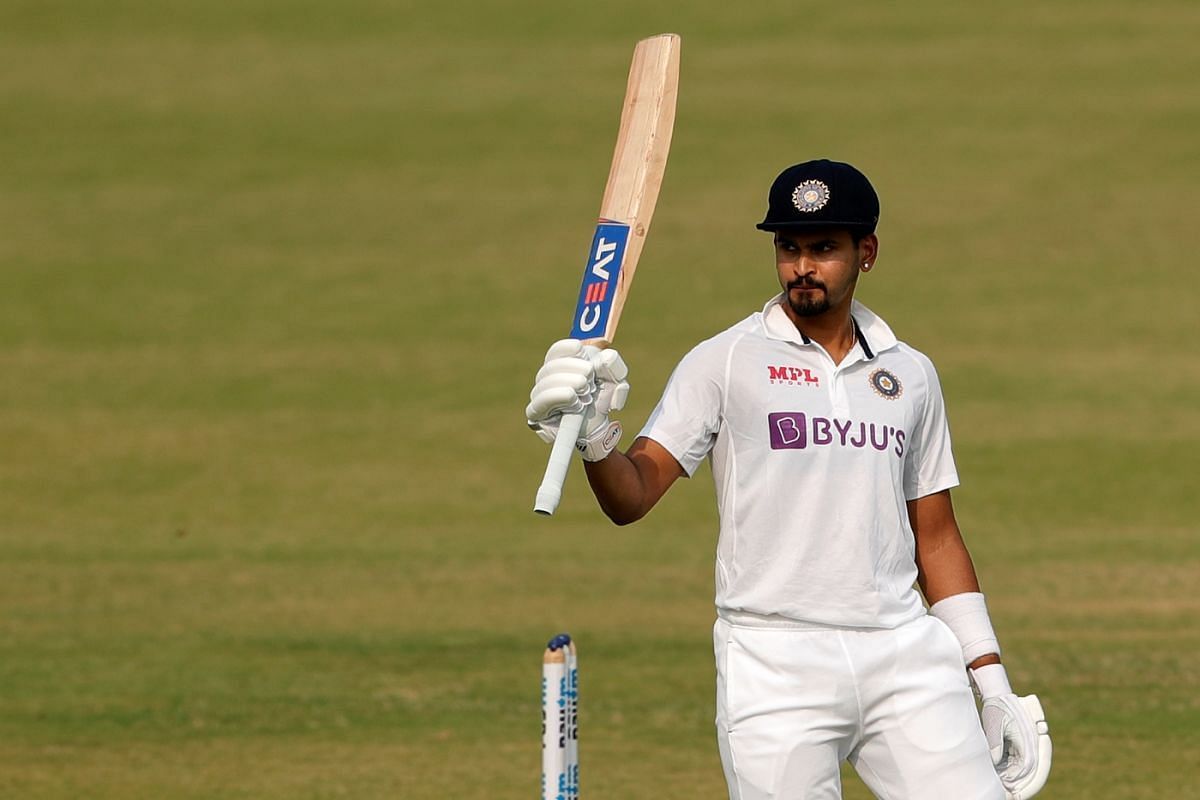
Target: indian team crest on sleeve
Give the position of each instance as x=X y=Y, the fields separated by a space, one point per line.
x=810 y=196
x=885 y=384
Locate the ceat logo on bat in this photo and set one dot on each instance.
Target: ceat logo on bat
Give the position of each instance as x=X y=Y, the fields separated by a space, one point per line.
x=600 y=280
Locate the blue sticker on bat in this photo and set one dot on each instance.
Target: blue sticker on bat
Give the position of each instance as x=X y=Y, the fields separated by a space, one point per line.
x=600 y=278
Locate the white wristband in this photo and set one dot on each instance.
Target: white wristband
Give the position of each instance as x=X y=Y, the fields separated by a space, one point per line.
x=967 y=617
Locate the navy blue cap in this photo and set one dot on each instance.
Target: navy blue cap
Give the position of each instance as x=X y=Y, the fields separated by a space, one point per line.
x=821 y=193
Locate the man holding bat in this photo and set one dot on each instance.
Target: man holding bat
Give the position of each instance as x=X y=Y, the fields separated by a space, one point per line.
x=831 y=455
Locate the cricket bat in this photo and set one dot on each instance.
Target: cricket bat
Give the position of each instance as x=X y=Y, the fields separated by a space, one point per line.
x=640 y=157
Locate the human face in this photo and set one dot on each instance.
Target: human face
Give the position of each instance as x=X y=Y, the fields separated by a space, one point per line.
x=818 y=268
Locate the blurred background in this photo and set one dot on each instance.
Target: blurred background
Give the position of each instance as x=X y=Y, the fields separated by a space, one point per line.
x=274 y=280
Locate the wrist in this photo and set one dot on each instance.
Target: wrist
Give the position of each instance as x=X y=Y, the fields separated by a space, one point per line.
x=601 y=442
x=983 y=661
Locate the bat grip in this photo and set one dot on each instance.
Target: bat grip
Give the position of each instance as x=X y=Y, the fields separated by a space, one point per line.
x=550 y=492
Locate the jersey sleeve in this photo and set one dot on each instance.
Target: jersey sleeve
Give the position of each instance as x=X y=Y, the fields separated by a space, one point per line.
x=929 y=462
x=688 y=415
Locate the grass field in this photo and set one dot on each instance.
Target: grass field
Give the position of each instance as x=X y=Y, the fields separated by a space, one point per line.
x=274 y=277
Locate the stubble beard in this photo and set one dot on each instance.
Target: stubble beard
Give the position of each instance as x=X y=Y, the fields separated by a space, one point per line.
x=809 y=307
x=810 y=304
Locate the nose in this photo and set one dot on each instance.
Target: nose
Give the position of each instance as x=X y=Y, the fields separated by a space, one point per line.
x=803 y=265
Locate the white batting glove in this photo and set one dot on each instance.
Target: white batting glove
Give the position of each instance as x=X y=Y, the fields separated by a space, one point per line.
x=1017 y=733
x=579 y=379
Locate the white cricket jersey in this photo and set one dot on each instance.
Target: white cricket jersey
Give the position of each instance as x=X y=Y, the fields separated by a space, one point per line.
x=813 y=463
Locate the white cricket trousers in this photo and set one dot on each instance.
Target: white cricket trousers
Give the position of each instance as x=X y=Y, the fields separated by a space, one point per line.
x=795 y=700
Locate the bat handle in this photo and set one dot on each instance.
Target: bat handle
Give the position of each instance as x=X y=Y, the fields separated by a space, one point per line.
x=550 y=492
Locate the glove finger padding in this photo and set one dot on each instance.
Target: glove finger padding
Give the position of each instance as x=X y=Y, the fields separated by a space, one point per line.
x=567 y=365
x=610 y=366
x=551 y=402
x=559 y=394
x=612 y=389
x=1019 y=740
x=563 y=366
x=563 y=386
x=564 y=348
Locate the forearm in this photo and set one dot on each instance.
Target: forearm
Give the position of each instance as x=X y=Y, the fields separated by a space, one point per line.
x=944 y=567
x=618 y=487
x=948 y=571
x=945 y=570
x=627 y=485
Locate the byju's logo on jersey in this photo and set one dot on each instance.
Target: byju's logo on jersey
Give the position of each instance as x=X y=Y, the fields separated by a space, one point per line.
x=792 y=376
x=795 y=430
x=600 y=278
x=885 y=384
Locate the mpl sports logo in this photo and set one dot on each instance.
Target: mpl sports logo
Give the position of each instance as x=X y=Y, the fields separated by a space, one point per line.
x=792 y=376
x=600 y=277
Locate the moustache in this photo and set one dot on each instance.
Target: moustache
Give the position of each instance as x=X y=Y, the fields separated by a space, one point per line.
x=805 y=283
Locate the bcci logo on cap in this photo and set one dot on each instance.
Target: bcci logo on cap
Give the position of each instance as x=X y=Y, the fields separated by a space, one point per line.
x=810 y=196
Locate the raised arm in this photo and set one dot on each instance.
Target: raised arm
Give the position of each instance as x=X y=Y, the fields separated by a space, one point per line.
x=588 y=381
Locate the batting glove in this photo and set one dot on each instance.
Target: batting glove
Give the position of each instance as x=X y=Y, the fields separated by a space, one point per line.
x=579 y=379
x=1017 y=733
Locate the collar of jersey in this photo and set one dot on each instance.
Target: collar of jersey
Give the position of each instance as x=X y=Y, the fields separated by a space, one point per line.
x=778 y=325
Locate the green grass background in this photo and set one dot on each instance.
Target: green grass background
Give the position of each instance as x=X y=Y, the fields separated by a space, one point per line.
x=274 y=277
